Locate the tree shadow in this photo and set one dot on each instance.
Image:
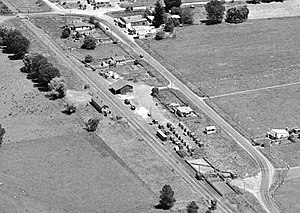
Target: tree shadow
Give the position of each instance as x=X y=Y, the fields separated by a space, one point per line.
x=160 y=206
x=211 y=22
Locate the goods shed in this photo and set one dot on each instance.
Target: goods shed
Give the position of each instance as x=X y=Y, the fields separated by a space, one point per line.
x=121 y=87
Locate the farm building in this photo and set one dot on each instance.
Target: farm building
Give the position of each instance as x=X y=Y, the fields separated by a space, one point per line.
x=184 y=111
x=119 y=59
x=131 y=21
x=120 y=87
x=210 y=129
x=78 y=26
x=278 y=134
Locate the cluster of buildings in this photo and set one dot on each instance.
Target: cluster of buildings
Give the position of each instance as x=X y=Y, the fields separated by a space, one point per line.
x=137 y=25
x=81 y=28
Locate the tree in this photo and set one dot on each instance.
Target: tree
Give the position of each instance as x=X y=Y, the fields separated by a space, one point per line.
x=47 y=73
x=69 y=108
x=192 y=207
x=169 y=26
x=171 y=3
x=92 y=124
x=147 y=12
x=237 y=14
x=66 y=33
x=215 y=11
x=37 y=62
x=176 y=11
x=88 y=59
x=214 y=203
x=2 y=132
x=58 y=88
x=89 y=43
x=187 y=17
x=92 y=19
x=160 y=35
x=154 y=92
x=167 y=199
x=16 y=43
x=158 y=14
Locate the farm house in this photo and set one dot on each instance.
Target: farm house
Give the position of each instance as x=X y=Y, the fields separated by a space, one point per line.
x=278 y=134
x=121 y=87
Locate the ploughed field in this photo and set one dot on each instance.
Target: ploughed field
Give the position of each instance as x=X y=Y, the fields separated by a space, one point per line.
x=227 y=58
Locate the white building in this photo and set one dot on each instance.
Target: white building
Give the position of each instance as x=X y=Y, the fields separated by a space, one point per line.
x=278 y=134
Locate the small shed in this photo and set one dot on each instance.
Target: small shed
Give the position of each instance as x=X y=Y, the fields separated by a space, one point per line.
x=210 y=129
x=121 y=87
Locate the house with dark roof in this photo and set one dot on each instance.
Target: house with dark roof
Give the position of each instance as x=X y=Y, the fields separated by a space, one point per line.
x=121 y=87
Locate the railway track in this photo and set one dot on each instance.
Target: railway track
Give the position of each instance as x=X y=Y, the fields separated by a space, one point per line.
x=115 y=104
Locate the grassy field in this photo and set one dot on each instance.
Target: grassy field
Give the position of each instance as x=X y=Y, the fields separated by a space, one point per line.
x=288 y=196
x=74 y=173
x=260 y=111
x=30 y=5
x=254 y=54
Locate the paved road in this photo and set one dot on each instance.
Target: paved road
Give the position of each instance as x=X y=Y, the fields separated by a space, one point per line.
x=265 y=166
x=140 y=127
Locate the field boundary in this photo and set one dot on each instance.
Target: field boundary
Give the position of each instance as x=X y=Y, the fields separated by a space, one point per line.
x=255 y=90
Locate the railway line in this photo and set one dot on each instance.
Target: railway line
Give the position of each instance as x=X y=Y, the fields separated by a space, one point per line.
x=140 y=127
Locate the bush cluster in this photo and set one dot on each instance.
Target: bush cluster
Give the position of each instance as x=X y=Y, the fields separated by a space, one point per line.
x=237 y=14
x=39 y=68
x=14 y=41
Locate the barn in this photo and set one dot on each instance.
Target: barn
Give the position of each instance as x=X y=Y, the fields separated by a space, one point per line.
x=121 y=87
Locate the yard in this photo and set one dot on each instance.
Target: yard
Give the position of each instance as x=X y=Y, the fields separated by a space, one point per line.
x=254 y=54
x=30 y=5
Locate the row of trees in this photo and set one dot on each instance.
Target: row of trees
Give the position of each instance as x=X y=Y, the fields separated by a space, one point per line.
x=47 y=75
x=14 y=41
x=215 y=12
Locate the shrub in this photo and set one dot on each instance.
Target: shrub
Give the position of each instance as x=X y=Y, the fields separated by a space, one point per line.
x=215 y=11
x=237 y=14
x=169 y=26
x=171 y=3
x=88 y=59
x=187 y=17
x=89 y=43
x=176 y=11
x=160 y=35
x=70 y=108
x=92 y=124
x=192 y=207
x=2 y=132
x=66 y=33
x=167 y=199
x=58 y=88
